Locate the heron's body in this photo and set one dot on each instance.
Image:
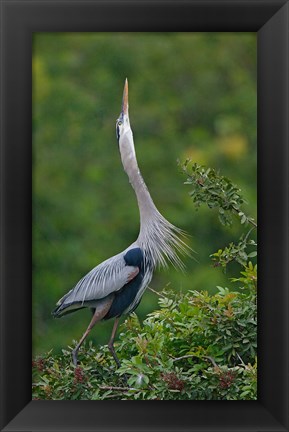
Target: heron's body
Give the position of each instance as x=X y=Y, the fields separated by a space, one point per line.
x=115 y=287
x=122 y=278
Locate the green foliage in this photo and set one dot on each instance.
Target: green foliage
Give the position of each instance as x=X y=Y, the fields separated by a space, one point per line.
x=209 y=187
x=216 y=191
x=195 y=346
x=234 y=252
x=249 y=276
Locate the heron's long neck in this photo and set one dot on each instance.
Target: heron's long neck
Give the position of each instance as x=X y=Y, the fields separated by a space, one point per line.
x=158 y=237
x=147 y=208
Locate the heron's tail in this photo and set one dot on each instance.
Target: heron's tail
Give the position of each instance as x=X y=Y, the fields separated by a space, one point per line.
x=66 y=308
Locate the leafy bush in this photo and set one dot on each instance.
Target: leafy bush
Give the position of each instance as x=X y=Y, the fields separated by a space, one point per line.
x=195 y=346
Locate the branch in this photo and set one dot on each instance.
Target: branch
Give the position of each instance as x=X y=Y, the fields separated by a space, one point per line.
x=251 y=221
x=195 y=356
x=156 y=292
x=184 y=357
x=211 y=360
x=124 y=389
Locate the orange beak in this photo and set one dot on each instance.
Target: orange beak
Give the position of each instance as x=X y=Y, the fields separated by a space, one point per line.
x=125 y=98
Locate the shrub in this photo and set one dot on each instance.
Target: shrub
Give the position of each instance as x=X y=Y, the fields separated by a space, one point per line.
x=196 y=346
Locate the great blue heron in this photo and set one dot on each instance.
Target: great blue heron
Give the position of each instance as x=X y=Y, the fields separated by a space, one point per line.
x=116 y=286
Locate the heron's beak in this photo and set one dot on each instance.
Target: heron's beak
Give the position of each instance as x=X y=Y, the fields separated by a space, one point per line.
x=124 y=109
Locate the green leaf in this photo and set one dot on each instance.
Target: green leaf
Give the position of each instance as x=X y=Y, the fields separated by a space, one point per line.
x=252 y=254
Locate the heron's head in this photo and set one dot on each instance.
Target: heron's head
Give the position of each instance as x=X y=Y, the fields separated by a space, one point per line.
x=123 y=129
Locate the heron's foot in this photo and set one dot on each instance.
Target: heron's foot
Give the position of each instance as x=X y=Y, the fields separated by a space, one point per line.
x=74 y=357
x=111 y=349
x=125 y=378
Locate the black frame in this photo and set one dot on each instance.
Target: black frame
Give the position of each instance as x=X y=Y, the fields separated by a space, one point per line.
x=19 y=19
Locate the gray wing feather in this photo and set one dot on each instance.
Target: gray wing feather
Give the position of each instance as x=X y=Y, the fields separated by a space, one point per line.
x=109 y=276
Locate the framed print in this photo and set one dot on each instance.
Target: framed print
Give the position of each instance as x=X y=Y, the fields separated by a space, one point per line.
x=29 y=28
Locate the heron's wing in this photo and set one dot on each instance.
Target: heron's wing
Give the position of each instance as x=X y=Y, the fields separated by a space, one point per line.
x=108 y=277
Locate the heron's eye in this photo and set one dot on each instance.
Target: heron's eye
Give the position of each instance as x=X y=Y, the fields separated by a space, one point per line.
x=119 y=123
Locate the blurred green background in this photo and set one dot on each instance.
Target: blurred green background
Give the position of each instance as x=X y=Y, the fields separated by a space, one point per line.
x=192 y=95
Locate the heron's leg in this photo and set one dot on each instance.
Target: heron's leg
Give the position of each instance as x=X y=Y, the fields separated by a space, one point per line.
x=110 y=343
x=99 y=313
x=94 y=320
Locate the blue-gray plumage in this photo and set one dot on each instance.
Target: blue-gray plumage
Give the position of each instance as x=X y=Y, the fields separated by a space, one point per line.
x=125 y=296
x=134 y=257
x=115 y=287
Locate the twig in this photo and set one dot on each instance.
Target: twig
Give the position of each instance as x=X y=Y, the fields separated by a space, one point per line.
x=156 y=292
x=240 y=358
x=211 y=360
x=194 y=356
x=117 y=388
x=184 y=357
x=250 y=220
